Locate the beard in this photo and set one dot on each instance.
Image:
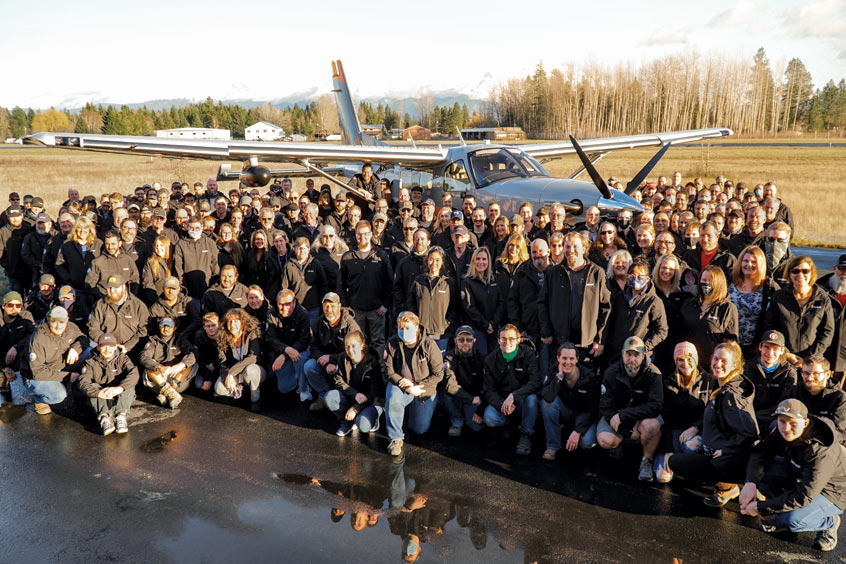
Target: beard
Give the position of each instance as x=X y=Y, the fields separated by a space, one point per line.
x=631 y=372
x=838 y=284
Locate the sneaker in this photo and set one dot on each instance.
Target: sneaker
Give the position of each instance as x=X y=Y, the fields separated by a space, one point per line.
x=524 y=445
x=616 y=453
x=722 y=495
x=305 y=396
x=826 y=540
x=107 y=425
x=174 y=398
x=645 y=474
x=120 y=424
x=162 y=399
x=454 y=431
x=345 y=429
x=42 y=408
x=375 y=426
x=317 y=405
x=395 y=447
x=550 y=454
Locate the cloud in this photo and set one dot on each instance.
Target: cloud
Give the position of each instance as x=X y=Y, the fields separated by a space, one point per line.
x=743 y=12
x=824 y=18
x=664 y=37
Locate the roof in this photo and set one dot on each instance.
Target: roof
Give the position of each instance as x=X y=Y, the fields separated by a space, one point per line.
x=264 y=124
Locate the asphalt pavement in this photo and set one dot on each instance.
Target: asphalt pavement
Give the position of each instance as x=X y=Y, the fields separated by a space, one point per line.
x=214 y=482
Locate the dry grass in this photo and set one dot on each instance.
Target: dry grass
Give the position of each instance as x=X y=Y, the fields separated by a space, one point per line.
x=809 y=178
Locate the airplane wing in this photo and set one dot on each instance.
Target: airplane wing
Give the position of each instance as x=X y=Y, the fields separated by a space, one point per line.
x=546 y=151
x=314 y=153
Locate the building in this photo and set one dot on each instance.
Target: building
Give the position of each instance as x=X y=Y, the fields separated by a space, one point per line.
x=194 y=133
x=263 y=131
x=373 y=129
x=416 y=132
x=493 y=133
x=299 y=138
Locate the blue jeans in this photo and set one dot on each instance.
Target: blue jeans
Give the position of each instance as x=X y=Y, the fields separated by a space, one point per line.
x=316 y=377
x=556 y=414
x=459 y=412
x=292 y=375
x=37 y=391
x=817 y=516
x=442 y=344
x=420 y=411
x=313 y=314
x=338 y=404
x=528 y=408
x=481 y=341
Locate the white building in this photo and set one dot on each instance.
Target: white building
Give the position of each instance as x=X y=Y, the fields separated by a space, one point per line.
x=194 y=133
x=299 y=138
x=263 y=131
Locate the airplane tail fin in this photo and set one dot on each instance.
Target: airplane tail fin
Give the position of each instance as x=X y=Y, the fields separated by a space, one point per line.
x=347 y=116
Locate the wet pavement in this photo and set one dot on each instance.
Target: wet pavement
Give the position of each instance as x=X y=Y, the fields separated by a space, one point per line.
x=214 y=482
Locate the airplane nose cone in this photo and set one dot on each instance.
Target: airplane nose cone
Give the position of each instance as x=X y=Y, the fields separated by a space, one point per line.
x=619 y=201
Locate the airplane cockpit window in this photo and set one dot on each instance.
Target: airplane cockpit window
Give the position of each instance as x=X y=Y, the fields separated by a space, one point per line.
x=456 y=177
x=493 y=165
x=533 y=167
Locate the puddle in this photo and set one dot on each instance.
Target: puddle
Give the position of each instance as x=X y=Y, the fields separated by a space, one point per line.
x=158 y=444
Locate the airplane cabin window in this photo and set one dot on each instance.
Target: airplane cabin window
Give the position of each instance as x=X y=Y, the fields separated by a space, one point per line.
x=456 y=177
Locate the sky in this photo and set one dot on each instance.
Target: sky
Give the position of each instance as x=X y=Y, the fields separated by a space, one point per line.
x=64 y=53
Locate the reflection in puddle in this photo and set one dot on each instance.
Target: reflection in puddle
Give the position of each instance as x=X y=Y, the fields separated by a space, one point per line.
x=10 y=413
x=157 y=444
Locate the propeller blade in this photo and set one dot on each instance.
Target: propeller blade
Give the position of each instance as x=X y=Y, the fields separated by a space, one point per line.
x=591 y=170
x=635 y=182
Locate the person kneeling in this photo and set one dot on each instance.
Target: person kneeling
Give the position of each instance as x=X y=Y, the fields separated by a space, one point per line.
x=570 y=396
x=630 y=403
x=800 y=468
x=108 y=378
x=169 y=364
x=357 y=384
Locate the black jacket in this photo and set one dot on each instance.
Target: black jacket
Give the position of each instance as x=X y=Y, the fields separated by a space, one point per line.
x=308 y=282
x=405 y=274
x=808 y=329
x=520 y=377
x=364 y=377
x=219 y=300
x=583 y=397
x=98 y=373
x=15 y=333
x=424 y=361
x=683 y=407
x=818 y=462
x=127 y=320
x=184 y=313
x=436 y=304
x=331 y=265
x=836 y=353
x=51 y=252
x=634 y=399
x=195 y=264
x=724 y=259
x=46 y=353
x=464 y=377
x=770 y=389
x=32 y=253
x=326 y=339
x=706 y=329
x=481 y=303
x=729 y=423
x=366 y=281
x=829 y=403
x=168 y=352
x=290 y=331
x=231 y=365
x=11 y=243
x=554 y=305
x=642 y=315
x=522 y=303
x=72 y=266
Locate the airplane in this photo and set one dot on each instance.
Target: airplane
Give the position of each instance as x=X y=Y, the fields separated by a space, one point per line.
x=508 y=174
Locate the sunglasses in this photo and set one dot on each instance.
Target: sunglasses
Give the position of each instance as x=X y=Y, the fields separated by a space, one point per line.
x=465 y=340
x=13 y=306
x=800 y=271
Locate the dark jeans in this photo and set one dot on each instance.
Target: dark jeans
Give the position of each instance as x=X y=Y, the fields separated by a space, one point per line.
x=373 y=326
x=112 y=407
x=729 y=467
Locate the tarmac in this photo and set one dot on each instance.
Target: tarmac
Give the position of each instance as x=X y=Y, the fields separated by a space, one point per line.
x=213 y=482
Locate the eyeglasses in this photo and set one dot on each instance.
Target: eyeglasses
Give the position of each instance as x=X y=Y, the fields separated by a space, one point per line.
x=607 y=232
x=13 y=306
x=817 y=374
x=465 y=339
x=801 y=271
x=508 y=339
x=409 y=229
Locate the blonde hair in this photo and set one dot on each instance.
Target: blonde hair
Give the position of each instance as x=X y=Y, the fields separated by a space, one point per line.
x=522 y=249
x=81 y=223
x=761 y=261
x=487 y=275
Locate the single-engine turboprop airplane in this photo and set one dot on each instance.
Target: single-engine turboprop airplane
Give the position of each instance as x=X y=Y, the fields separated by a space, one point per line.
x=508 y=174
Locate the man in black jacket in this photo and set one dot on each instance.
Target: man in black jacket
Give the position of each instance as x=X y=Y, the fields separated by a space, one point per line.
x=121 y=314
x=632 y=395
x=463 y=379
x=11 y=242
x=522 y=304
x=511 y=383
x=288 y=337
x=809 y=493
x=108 y=379
x=570 y=397
x=819 y=397
x=35 y=243
x=773 y=377
x=226 y=294
x=113 y=261
x=195 y=260
x=16 y=326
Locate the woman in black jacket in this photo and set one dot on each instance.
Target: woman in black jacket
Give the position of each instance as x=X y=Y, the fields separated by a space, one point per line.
x=729 y=430
x=667 y=276
x=481 y=300
x=239 y=352
x=434 y=298
x=357 y=384
x=259 y=268
x=156 y=270
x=514 y=254
x=708 y=318
x=76 y=255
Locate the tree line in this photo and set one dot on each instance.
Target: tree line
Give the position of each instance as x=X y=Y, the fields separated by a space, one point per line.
x=670 y=93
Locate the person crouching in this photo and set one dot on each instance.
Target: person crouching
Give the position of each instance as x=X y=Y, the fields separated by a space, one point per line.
x=169 y=364
x=108 y=378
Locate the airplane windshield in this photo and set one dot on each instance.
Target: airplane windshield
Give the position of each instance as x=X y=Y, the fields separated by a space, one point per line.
x=493 y=165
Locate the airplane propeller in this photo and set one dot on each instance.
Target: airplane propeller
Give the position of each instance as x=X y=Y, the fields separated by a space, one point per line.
x=591 y=170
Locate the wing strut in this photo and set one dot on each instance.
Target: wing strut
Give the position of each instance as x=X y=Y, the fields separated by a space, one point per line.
x=329 y=177
x=594 y=158
x=635 y=182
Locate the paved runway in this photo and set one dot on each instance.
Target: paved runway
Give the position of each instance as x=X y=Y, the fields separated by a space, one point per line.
x=216 y=483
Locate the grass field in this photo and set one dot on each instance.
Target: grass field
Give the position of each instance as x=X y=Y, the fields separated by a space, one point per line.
x=810 y=179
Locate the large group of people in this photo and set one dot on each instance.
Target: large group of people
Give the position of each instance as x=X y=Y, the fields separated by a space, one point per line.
x=689 y=328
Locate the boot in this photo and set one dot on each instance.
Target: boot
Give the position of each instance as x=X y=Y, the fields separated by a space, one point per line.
x=174 y=398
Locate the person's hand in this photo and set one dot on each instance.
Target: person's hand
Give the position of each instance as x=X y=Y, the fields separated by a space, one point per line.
x=360 y=398
x=331 y=368
x=546 y=340
x=74 y=377
x=417 y=501
x=404 y=383
x=751 y=509
x=10 y=374
x=688 y=434
x=109 y=392
x=573 y=441
x=717 y=453
x=596 y=350
x=748 y=494
x=210 y=367
x=476 y=401
x=615 y=422
x=477 y=419
x=793 y=359
x=351 y=414
x=490 y=329
x=206 y=386
x=416 y=390
x=323 y=360
x=230 y=383
x=293 y=354
x=11 y=355
x=508 y=405
x=72 y=357
x=382 y=311
x=122 y=348
x=278 y=362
